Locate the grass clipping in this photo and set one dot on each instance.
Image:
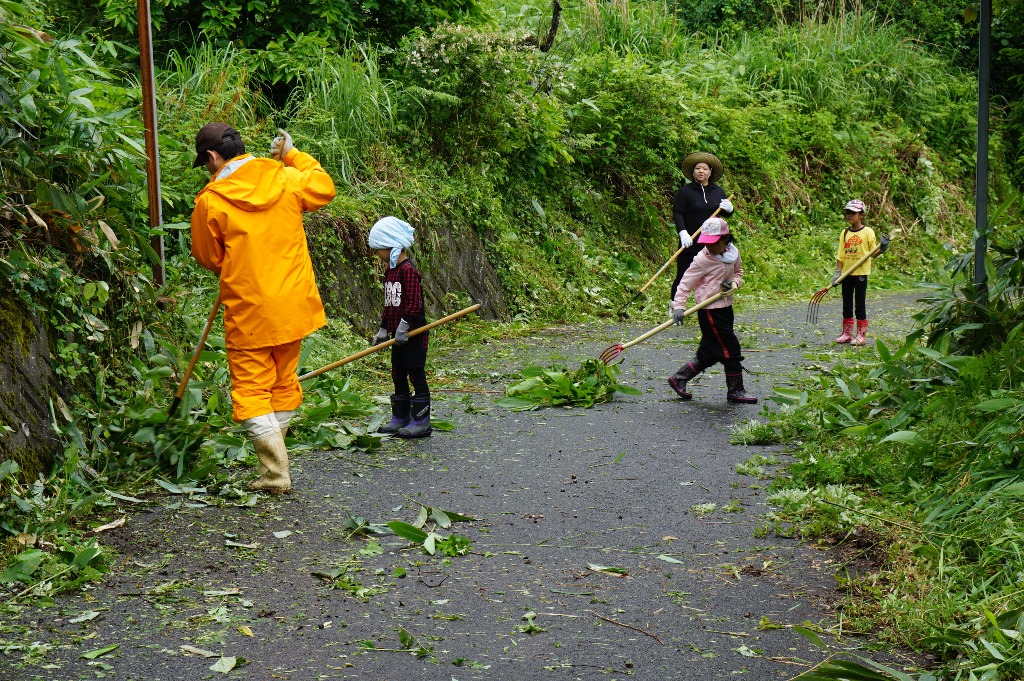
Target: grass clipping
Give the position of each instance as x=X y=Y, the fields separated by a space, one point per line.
x=556 y=386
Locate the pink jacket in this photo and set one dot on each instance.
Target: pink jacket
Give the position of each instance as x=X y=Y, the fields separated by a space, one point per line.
x=704 y=278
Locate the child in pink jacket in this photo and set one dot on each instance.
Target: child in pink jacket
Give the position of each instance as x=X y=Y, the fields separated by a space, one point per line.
x=717 y=268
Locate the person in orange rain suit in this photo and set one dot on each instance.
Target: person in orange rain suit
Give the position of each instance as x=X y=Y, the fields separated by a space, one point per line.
x=247 y=228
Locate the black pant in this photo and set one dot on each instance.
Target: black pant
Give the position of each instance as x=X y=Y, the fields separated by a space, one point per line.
x=718 y=341
x=407 y=363
x=855 y=289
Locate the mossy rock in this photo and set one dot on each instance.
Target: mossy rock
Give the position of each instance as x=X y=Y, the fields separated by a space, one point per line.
x=452 y=259
x=26 y=383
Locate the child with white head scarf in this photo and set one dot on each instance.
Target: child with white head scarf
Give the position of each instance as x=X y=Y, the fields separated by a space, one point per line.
x=390 y=232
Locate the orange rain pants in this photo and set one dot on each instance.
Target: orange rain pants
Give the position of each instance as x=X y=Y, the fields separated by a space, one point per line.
x=264 y=380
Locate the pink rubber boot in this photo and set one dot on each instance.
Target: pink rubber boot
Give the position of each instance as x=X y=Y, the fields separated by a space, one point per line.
x=862 y=329
x=847 y=335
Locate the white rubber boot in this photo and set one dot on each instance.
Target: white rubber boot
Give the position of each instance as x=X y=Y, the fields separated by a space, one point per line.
x=267 y=440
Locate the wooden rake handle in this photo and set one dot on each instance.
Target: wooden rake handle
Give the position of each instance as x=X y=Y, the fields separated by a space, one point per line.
x=389 y=343
x=664 y=325
x=852 y=267
x=195 y=359
x=863 y=260
x=676 y=254
x=199 y=348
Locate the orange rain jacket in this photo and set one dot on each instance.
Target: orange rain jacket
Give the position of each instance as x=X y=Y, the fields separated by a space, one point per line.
x=247 y=227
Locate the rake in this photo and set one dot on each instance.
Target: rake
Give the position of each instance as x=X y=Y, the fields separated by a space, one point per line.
x=815 y=305
x=192 y=363
x=389 y=343
x=622 y=310
x=613 y=352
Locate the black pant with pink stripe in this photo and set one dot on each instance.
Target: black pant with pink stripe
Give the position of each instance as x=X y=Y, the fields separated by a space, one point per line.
x=718 y=342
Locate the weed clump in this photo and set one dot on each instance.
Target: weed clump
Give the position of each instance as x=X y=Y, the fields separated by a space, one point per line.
x=593 y=382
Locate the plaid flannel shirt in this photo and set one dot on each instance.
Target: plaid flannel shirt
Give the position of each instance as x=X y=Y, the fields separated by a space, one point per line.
x=403 y=299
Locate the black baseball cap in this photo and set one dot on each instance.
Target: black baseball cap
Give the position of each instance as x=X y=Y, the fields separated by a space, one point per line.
x=211 y=136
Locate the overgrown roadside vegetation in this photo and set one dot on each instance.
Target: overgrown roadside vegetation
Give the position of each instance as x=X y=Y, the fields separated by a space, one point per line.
x=912 y=457
x=558 y=166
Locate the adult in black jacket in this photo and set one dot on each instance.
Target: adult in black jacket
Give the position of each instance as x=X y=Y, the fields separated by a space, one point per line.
x=694 y=203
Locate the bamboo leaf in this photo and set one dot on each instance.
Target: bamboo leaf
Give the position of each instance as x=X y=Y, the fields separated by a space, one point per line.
x=407 y=531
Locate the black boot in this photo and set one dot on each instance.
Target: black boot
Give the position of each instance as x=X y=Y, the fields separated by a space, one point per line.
x=419 y=425
x=399 y=414
x=736 y=393
x=678 y=379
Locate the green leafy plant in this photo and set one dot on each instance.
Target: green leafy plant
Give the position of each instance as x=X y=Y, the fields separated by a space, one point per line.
x=409 y=643
x=432 y=541
x=346 y=577
x=593 y=382
x=959 y=314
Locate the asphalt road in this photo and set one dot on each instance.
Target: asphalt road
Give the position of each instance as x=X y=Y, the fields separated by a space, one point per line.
x=556 y=491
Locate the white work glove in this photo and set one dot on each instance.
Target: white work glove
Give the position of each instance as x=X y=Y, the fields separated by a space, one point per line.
x=402 y=333
x=685 y=240
x=726 y=206
x=281 y=145
x=380 y=337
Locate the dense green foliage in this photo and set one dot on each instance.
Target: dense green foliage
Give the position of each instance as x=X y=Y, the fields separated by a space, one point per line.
x=291 y=36
x=922 y=447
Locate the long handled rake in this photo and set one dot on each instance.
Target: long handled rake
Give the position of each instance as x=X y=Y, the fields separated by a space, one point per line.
x=195 y=358
x=622 y=310
x=613 y=352
x=815 y=305
x=389 y=343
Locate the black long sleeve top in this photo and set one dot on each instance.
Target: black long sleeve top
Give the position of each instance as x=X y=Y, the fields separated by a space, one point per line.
x=694 y=204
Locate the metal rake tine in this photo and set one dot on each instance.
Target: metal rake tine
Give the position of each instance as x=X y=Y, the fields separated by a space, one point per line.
x=814 y=306
x=611 y=353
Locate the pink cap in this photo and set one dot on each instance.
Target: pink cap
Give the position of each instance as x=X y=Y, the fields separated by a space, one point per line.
x=712 y=230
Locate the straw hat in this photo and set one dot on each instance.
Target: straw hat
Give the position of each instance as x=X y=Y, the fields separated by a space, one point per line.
x=691 y=160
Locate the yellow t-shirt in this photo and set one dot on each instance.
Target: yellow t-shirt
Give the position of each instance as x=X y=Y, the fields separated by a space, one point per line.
x=855 y=245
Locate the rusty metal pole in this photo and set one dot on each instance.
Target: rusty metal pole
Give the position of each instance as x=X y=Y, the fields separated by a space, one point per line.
x=981 y=172
x=156 y=217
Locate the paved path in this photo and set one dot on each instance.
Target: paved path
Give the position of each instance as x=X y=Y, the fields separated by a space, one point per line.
x=555 y=490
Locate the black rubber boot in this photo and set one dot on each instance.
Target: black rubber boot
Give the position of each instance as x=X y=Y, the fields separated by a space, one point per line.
x=736 y=393
x=678 y=379
x=399 y=414
x=419 y=425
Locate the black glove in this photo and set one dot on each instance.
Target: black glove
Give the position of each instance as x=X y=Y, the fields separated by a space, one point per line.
x=380 y=337
x=402 y=333
x=883 y=244
x=678 y=316
x=726 y=286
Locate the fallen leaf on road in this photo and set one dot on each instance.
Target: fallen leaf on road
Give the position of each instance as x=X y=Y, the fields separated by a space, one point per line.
x=609 y=570
x=111 y=525
x=224 y=665
x=93 y=654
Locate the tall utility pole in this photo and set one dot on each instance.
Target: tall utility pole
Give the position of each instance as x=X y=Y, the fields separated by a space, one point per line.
x=981 y=176
x=156 y=217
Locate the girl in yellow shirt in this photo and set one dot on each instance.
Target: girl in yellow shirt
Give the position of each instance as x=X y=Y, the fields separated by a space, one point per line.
x=856 y=241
